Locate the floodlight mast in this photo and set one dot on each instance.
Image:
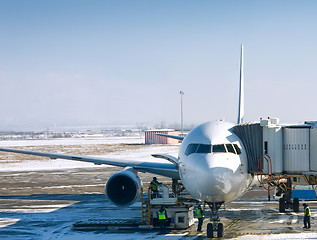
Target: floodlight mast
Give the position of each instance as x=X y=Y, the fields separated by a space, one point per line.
x=241 y=89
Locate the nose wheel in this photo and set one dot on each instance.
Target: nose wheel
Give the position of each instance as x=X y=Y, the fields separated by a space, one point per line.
x=216 y=225
x=211 y=228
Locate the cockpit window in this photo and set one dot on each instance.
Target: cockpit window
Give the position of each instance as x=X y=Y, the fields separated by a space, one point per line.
x=219 y=148
x=191 y=149
x=198 y=148
x=230 y=148
x=204 y=148
x=237 y=148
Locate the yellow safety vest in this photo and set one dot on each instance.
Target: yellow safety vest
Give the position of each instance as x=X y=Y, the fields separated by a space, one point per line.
x=154 y=186
x=198 y=213
x=162 y=215
x=309 y=213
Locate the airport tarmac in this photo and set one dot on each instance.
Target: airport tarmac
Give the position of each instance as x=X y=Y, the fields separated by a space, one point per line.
x=44 y=203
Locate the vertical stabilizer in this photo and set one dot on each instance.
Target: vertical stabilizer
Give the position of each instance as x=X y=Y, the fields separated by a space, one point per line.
x=241 y=89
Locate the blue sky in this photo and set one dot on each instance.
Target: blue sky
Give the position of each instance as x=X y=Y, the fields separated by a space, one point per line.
x=117 y=62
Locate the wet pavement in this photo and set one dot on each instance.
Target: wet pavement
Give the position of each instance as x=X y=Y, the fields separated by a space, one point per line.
x=44 y=204
x=254 y=215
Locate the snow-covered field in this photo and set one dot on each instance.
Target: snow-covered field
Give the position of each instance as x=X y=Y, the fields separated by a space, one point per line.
x=73 y=141
x=51 y=216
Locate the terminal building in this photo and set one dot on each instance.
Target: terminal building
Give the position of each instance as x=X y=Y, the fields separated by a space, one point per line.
x=151 y=136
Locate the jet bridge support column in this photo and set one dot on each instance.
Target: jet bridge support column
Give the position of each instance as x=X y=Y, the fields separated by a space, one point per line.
x=286 y=202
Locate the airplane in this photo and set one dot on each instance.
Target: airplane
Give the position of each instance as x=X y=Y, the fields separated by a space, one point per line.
x=211 y=165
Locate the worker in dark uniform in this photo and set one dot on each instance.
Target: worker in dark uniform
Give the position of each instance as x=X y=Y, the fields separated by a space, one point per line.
x=200 y=216
x=307 y=215
x=162 y=216
x=154 y=186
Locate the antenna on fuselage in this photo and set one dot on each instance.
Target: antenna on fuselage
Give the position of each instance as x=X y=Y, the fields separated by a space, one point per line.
x=241 y=89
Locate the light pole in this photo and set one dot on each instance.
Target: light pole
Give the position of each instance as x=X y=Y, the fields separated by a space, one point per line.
x=181 y=93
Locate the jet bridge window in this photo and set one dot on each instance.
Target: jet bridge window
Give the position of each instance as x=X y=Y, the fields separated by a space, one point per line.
x=197 y=148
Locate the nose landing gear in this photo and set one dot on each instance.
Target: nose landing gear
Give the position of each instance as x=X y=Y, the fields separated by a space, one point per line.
x=216 y=225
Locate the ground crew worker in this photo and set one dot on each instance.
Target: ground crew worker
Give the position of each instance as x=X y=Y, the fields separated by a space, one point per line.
x=162 y=216
x=307 y=215
x=154 y=185
x=200 y=216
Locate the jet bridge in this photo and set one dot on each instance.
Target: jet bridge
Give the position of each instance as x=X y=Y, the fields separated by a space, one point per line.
x=251 y=135
x=292 y=148
x=279 y=155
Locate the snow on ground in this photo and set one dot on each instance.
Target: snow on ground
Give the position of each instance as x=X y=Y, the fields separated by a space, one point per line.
x=4 y=222
x=123 y=236
x=35 y=165
x=280 y=236
x=72 y=141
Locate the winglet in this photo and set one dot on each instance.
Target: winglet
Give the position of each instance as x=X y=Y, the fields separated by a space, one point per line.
x=241 y=89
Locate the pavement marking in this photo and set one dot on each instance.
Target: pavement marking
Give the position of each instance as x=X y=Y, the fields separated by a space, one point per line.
x=260 y=234
x=230 y=224
x=257 y=234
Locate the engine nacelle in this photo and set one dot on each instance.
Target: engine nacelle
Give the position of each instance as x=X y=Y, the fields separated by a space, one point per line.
x=123 y=188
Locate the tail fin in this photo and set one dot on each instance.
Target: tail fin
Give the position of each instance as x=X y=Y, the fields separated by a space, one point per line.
x=241 y=89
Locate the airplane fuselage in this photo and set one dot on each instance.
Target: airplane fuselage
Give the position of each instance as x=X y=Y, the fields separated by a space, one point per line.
x=213 y=163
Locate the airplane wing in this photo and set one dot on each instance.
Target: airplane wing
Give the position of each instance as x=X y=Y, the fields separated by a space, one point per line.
x=166 y=169
x=170 y=136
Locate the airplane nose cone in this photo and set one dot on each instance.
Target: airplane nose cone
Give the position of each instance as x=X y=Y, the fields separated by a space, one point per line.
x=212 y=180
x=215 y=183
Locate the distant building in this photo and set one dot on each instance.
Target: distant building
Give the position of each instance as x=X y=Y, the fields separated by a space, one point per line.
x=151 y=136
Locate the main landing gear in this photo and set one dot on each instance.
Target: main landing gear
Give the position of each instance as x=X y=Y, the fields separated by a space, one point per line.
x=286 y=202
x=216 y=225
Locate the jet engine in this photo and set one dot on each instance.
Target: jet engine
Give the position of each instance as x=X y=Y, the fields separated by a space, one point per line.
x=124 y=188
